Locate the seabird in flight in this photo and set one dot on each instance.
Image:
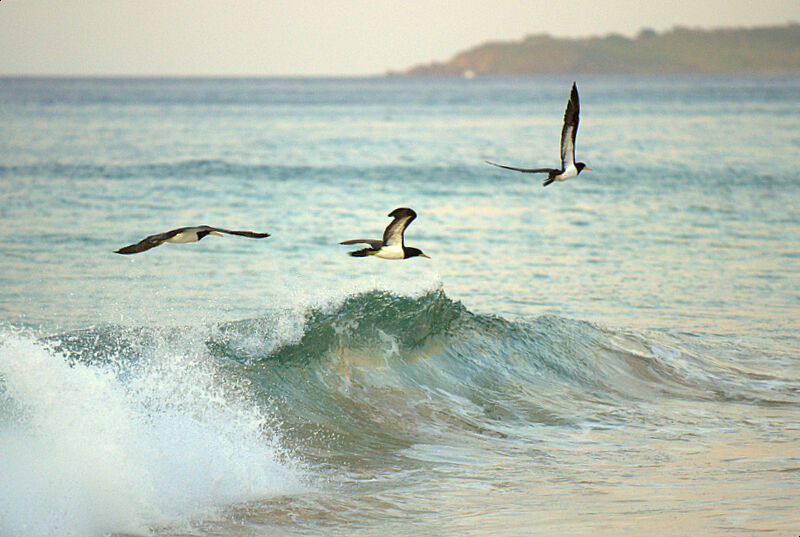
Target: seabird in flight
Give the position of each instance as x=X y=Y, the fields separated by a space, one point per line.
x=392 y=246
x=182 y=235
x=569 y=168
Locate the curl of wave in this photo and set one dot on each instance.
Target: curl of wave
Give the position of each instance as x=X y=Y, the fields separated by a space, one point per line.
x=118 y=428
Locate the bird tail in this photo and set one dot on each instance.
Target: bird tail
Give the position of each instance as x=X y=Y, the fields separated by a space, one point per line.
x=551 y=177
x=363 y=252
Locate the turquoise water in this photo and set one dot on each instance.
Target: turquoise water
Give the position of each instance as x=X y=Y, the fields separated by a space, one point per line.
x=616 y=354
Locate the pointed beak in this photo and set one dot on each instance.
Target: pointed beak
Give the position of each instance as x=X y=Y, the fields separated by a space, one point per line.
x=425 y=256
x=587 y=168
x=215 y=233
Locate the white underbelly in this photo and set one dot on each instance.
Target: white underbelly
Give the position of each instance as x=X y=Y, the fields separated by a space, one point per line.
x=393 y=252
x=571 y=171
x=183 y=237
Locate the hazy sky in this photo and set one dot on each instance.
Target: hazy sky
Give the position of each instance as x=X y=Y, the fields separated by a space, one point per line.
x=318 y=37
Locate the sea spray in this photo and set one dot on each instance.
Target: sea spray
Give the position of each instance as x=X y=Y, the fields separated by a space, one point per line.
x=90 y=448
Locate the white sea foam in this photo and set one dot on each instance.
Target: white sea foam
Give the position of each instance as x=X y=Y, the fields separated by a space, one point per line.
x=86 y=450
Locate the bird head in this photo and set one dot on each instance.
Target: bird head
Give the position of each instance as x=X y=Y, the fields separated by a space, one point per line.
x=205 y=233
x=582 y=166
x=415 y=252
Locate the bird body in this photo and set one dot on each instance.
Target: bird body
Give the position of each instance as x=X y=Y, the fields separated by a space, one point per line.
x=191 y=235
x=393 y=244
x=569 y=168
x=390 y=252
x=183 y=235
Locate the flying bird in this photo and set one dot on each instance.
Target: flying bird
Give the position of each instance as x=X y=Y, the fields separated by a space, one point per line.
x=392 y=246
x=569 y=168
x=183 y=235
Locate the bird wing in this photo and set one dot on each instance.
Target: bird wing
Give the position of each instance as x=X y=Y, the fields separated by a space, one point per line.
x=393 y=234
x=149 y=242
x=251 y=234
x=525 y=170
x=374 y=244
x=155 y=240
x=570 y=129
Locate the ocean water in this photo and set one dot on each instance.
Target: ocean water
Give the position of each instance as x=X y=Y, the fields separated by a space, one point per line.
x=618 y=354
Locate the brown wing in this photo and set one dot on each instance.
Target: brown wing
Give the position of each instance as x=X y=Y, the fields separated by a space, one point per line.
x=372 y=243
x=393 y=234
x=570 y=129
x=525 y=170
x=251 y=234
x=149 y=242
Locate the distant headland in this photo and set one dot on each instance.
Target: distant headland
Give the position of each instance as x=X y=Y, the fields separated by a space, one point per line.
x=770 y=49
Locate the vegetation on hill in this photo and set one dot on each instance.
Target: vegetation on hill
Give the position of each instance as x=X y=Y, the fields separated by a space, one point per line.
x=774 y=49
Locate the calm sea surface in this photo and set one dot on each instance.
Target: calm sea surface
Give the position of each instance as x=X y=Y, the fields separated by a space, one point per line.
x=618 y=354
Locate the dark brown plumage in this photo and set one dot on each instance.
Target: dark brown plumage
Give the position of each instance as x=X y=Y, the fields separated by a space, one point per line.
x=184 y=235
x=569 y=168
x=393 y=244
